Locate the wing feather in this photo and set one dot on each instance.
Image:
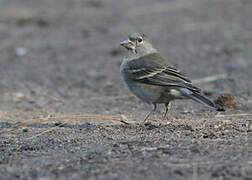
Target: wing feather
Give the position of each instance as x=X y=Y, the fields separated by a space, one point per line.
x=158 y=72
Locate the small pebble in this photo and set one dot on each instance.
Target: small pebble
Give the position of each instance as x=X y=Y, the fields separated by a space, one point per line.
x=20 y=51
x=25 y=129
x=58 y=123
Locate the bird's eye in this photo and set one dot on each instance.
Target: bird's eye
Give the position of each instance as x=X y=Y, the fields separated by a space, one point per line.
x=140 y=40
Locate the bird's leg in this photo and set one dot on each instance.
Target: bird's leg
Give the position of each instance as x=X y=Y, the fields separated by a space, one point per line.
x=167 y=108
x=152 y=111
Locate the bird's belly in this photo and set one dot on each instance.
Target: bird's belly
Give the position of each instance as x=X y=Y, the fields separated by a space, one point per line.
x=153 y=94
x=147 y=93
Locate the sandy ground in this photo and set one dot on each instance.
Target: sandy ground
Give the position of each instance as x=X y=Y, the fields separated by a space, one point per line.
x=62 y=57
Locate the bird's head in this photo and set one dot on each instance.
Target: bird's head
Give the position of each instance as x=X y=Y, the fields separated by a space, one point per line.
x=138 y=43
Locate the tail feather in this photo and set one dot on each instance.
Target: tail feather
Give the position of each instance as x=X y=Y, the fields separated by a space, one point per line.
x=202 y=100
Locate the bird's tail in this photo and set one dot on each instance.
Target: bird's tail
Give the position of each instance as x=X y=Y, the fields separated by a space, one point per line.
x=202 y=100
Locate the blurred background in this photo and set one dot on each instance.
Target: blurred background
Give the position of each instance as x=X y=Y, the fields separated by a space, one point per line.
x=63 y=56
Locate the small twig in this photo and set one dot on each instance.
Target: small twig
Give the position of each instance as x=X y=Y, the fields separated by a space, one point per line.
x=181 y=164
x=234 y=115
x=89 y=117
x=210 y=78
x=74 y=117
x=29 y=123
x=46 y=131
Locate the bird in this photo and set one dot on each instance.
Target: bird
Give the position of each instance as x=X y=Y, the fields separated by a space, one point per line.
x=152 y=79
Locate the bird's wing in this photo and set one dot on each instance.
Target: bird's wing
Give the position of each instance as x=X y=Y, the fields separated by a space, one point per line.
x=153 y=69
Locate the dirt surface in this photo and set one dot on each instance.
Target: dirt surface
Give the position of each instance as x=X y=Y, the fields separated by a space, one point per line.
x=62 y=57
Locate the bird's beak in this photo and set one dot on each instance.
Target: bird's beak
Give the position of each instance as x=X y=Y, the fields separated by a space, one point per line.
x=128 y=44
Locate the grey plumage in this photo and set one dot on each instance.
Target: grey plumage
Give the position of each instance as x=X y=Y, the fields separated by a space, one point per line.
x=152 y=79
